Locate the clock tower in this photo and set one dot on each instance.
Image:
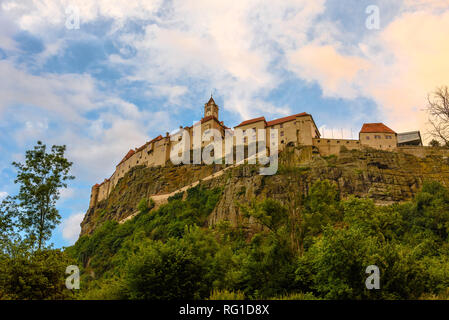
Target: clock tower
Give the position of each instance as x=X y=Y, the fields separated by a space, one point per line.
x=211 y=108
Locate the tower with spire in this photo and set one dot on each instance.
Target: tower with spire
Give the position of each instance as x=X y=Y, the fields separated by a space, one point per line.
x=211 y=108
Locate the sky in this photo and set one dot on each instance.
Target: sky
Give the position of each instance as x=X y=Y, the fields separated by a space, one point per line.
x=105 y=76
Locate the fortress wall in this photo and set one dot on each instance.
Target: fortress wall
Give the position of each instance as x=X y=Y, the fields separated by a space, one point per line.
x=161 y=153
x=305 y=133
x=286 y=133
x=93 y=196
x=384 y=141
x=327 y=147
x=424 y=151
x=249 y=133
x=103 y=190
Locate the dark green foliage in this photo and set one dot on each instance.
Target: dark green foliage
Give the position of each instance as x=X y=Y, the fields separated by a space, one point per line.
x=321 y=207
x=180 y=268
x=430 y=211
x=177 y=196
x=319 y=250
x=38 y=275
x=28 y=268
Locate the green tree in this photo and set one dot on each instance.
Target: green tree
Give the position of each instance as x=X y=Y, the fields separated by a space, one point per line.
x=430 y=211
x=321 y=207
x=40 y=178
x=177 y=269
x=8 y=222
x=38 y=275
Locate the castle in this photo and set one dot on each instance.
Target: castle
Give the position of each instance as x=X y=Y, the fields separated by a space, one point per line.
x=295 y=130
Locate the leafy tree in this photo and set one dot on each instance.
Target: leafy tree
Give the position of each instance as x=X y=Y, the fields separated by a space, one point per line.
x=321 y=207
x=38 y=275
x=268 y=268
x=430 y=211
x=40 y=178
x=177 y=269
x=8 y=222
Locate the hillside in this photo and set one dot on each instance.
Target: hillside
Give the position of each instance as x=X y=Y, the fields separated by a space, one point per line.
x=385 y=177
x=295 y=235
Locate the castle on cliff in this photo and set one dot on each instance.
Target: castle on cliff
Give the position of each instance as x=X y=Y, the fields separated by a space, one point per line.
x=295 y=130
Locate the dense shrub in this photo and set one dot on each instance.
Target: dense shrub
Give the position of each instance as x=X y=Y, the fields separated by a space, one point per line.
x=318 y=250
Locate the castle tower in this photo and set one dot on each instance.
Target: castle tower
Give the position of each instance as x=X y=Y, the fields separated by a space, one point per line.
x=211 y=108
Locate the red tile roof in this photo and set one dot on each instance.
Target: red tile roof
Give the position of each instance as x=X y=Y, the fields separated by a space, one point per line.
x=159 y=137
x=205 y=119
x=128 y=155
x=285 y=119
x=375 y=128
x=252 y=121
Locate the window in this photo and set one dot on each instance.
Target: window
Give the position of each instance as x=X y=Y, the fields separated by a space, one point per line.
x=338 y=141
x=282 y=141
x=282 y=133
x=281 y=125
x=377 y=137
x=388 y=137
x=367 y=138
x=245 y=139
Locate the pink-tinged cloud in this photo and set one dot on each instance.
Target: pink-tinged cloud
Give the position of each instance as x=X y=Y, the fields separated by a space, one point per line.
x=413 y=63
x=397 y=67
x=335 y=73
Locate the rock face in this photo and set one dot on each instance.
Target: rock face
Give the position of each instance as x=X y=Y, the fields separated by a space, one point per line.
x=385 y=177
x=142 y=182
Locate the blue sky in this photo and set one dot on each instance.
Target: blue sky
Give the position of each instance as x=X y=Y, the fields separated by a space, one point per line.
x=134 y=70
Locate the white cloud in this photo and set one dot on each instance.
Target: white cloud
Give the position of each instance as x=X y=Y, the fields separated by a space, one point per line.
x=412 y=64
x=3 y=195
x=228 y=45
x=71 y=227
x=241 y=48
x=396 y=67
x=67 y=193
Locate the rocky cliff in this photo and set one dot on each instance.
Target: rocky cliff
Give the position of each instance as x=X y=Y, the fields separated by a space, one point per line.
x=383 y=176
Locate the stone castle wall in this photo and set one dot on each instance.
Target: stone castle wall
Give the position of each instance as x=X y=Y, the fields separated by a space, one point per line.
x=299 y=129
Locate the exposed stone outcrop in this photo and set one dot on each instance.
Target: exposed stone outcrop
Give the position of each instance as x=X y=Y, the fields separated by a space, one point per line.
x=385 y=177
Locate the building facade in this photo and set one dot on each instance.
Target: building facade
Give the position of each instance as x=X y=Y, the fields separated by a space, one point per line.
x=295 y=130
